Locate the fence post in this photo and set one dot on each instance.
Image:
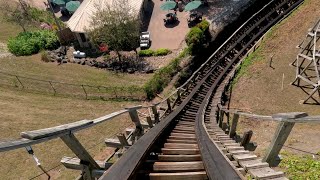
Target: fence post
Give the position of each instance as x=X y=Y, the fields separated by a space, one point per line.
x=84 y=90
x=20 y=82
x=156 y=114
x=169 y=105
x=149 y=121
x=54 y=90
x=234 y=124
x=221 y=116
x=280 y=136
x=135 y=119
x=178 y=94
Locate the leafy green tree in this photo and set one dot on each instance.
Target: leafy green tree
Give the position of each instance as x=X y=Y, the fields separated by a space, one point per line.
x=116 y=25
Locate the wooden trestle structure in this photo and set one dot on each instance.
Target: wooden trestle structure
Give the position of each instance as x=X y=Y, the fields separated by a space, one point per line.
x=307 y=65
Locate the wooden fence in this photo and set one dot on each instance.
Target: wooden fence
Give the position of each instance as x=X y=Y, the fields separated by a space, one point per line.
x=71 y=90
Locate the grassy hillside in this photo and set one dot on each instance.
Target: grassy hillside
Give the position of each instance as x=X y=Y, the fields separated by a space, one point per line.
x=259 y=88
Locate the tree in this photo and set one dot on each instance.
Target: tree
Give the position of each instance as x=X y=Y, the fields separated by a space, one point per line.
x=17 y=14
x=116 y=25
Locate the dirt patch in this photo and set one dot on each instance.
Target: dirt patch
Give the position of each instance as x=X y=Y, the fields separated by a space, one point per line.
x=4 y=51
x=260 y=90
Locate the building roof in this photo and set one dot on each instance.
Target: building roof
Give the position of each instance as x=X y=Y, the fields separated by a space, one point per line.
x=81 y=19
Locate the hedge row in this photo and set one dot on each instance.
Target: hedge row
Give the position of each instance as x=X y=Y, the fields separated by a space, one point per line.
x=158 y=52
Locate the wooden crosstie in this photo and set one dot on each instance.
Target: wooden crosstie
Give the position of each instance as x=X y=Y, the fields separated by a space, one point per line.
x=307 y=65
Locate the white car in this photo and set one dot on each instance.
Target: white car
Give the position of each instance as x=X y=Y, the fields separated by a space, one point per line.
x=145 y=40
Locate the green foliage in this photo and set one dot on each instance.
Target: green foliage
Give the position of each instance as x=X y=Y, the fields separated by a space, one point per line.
x=195 y=39
x=158 y=52
x=44 y=56
x=203 y=25
x=163 y=76
x=146 y=53
x=162 y=52
x=115 y=26
x=300 y=167
x=43 y=16
x=27 y=43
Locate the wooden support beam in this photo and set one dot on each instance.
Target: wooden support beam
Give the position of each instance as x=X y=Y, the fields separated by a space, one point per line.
x=149 y=121
x=134 y=117
x=113 y=143
x=123 y=140
x=246 y=138
x=281 y=135
x=156 y=114
x=221 y=116
x=169 y=105
x=234 y=124
x=86 y=160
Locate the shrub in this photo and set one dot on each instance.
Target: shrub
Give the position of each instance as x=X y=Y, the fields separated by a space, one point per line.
x=43 y=16
x=27 y=43
x=163 y=76
x=146 y=53
x=195 y=39
x=44 y=56
x=203 y=25
x=162 y=52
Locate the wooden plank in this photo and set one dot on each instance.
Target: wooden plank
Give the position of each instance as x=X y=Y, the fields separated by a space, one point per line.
x=231 y=144
x=181 y=141
x=74 y=163
x=201 y=175
x=179 y=157
x=182 y=138
x=237 y=152
x=123 y=140
x=55 y=131
x=178 y=166
x=183 y=131
x=242 y=157
x=231 y=148
x=265 y=173
x=180 y=146
x=113 y=143
x=179 y=151
x=280 y=136
x=234 y=124
x=72 y=142
x=183 y=135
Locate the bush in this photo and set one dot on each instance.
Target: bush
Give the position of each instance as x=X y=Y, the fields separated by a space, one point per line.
x=44 y=56
x=43 y=16
x=158 y=52
x=195 y=39
x=163 y=76
x=162 y=52
x=146 y=53
x=203 y=25
x=28 y=43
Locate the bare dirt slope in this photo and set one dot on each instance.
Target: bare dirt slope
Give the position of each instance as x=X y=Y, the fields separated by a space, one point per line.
x=260 y=91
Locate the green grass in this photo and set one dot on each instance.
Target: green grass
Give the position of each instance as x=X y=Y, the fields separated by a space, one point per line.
x=300 y=167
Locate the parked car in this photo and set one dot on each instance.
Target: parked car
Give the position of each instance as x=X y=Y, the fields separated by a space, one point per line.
x=145 y=41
